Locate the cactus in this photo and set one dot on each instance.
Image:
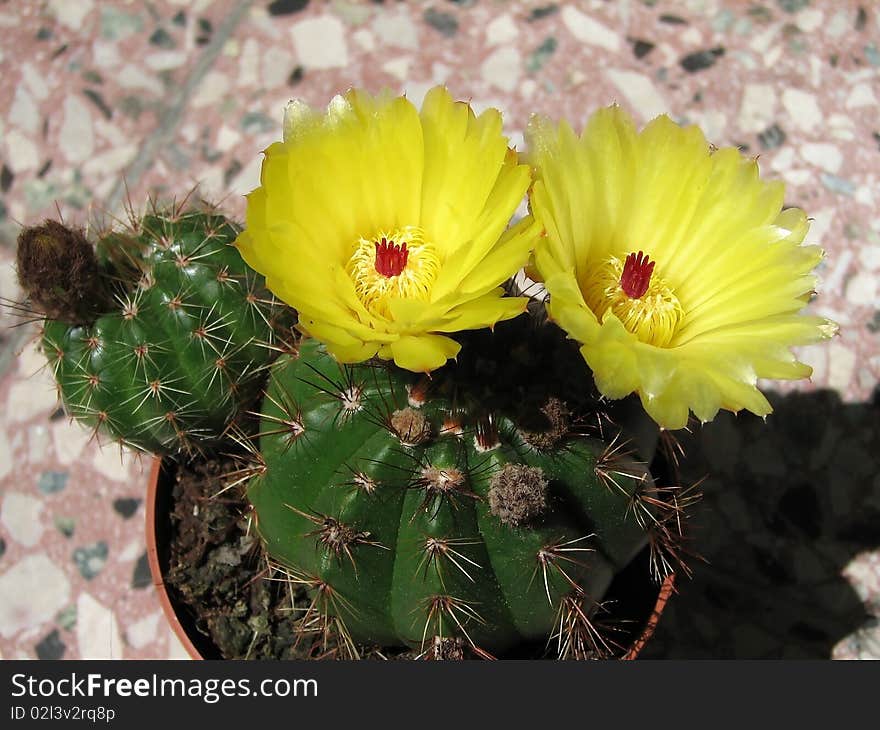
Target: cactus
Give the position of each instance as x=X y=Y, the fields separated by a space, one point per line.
x=470 y=510
x=159 y=336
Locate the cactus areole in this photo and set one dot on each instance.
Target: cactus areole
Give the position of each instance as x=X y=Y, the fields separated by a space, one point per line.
x=159 y=338
x=471 y=507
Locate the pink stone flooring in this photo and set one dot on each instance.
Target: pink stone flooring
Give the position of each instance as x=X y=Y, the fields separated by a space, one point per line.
x=100 y=101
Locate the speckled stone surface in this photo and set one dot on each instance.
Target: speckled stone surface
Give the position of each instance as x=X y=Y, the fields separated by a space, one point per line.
x=104 y=100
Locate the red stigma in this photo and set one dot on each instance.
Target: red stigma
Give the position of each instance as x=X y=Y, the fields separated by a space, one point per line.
x=636 y=275
x=390 y=258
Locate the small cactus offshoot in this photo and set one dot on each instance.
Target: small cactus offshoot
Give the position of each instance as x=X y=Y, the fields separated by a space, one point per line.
x=160 y=335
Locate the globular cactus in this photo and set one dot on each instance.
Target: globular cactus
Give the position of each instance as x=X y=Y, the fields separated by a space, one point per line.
x=468 y=510
x=160 y=335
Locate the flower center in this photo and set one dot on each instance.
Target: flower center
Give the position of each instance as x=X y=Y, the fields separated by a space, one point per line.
x=645 y=304
x=395 y=264
x=636 y=275
x=390 y=258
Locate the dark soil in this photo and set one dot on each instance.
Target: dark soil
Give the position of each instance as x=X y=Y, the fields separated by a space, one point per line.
x=217 y=569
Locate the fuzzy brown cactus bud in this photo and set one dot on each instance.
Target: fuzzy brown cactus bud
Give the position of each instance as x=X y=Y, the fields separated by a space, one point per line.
x=58 y=269
x=518 y=493
x=547 y=427
x=411 y=426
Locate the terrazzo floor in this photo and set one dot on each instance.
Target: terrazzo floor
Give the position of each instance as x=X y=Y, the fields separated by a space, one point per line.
x=106 y=101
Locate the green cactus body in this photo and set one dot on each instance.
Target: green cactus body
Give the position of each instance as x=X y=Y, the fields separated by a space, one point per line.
x=184 y=350
x=378 y=496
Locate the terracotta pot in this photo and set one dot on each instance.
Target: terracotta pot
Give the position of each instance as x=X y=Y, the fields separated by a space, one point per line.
x=157 y=526
x=199 y=646
x=663 y=595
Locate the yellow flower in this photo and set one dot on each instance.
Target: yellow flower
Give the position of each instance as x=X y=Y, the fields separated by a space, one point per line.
x=672 y=263
x=385 y=227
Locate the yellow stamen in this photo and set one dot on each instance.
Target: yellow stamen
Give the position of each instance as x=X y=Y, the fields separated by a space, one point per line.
x=652 y=317
x=375 y=288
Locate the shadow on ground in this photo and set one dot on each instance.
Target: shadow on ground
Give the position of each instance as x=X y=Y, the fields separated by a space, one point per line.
x=788 y=504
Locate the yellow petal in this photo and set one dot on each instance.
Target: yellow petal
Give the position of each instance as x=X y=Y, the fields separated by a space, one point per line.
x=486 y=311
x=512 y=250
x=423 y=353
x=463 y=157
x=353 y=353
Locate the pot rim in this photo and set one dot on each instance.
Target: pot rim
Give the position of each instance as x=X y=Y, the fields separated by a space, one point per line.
x=156 y=569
